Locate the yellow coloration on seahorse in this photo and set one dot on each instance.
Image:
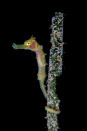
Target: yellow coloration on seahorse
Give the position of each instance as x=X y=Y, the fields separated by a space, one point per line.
x=32 y=45
x=52 y=110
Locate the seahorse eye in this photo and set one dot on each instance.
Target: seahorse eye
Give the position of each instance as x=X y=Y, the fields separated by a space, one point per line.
x=29 y=43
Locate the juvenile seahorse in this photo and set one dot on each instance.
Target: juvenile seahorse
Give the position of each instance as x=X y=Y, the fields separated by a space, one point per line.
x=32 y=45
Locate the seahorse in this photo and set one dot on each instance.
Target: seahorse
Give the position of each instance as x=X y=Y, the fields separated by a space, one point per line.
x=33 y=45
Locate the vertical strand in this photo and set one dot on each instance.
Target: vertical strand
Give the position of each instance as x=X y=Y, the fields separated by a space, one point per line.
x=55 y=70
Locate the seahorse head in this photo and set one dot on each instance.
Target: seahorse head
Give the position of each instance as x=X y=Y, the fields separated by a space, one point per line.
x=31 y=44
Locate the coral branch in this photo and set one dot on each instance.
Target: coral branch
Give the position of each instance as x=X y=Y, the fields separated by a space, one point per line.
x=55 y=70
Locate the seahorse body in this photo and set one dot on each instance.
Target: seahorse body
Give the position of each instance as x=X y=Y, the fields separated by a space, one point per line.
x=32 y=45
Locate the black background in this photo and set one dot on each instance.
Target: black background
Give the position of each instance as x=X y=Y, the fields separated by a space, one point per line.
x=23 y=101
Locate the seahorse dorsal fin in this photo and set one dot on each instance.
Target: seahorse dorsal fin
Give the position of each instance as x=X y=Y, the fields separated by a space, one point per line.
x=33 y=38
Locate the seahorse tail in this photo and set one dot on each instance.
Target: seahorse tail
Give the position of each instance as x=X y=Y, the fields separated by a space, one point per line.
x=42 y=86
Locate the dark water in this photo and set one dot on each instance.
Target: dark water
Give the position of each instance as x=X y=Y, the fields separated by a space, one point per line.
x=22 y=99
